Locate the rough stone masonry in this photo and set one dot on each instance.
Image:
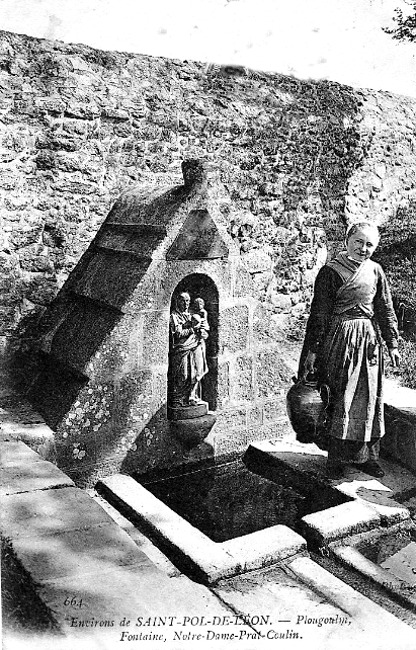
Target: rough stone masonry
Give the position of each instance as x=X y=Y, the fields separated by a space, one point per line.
x=298 y=158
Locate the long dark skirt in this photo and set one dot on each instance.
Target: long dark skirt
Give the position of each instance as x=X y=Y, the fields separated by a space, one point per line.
x=353 y=366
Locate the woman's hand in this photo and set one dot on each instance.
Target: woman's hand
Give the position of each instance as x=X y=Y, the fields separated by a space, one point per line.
x=309 y=366
x=395 y=357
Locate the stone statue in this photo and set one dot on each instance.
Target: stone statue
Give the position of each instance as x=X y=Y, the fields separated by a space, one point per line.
x=198 y=309
x=188 y=362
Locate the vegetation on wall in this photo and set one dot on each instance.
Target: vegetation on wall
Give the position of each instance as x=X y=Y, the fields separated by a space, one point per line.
x=397 y=254
x=299 y=159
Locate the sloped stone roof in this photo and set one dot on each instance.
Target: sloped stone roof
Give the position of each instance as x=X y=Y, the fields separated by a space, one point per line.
x=198 y=239
x=120 y=255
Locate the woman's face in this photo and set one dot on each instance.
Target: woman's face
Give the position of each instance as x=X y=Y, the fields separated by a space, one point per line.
x=362 y=244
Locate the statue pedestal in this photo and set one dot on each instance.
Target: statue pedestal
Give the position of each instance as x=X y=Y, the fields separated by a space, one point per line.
x=191 y=432
x=188 y=412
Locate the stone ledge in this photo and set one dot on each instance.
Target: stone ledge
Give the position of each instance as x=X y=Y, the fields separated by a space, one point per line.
x=398 y=588
x=19 y=421
x=339 y=521
x=207 y=560
x=262 y=548
x=390 y=511
x=399 y=442
x=363 y=611
x=192 y=548
x=191 y=412
x=304 y=465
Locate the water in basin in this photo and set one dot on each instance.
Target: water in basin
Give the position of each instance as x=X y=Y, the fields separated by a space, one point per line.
x=403 y=563
x=229 y=501
x=396 y=553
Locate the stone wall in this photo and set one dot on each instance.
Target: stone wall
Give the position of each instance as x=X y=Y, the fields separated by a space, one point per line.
x=102 y=379
x=299 y=158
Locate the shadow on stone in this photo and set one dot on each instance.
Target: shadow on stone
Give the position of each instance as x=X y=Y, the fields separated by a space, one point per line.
x=167 y=444
x=55 y=389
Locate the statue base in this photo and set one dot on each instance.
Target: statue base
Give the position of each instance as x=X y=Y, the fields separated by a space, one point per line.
x=192 y=432
x=188 y=412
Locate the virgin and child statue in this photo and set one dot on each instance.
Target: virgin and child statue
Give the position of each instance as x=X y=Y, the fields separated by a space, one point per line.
x=188 y=362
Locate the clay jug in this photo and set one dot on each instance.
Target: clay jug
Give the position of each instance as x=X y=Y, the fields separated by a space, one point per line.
x=307 y=409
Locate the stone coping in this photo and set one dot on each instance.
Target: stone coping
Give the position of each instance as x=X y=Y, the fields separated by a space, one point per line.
x=399 y=397
x=348 y=552
x=211 y=561
x=368 y=503
x=326 y=524
x=337 y=522
x=342 y=529
x=205 y=559
x=400 y=413
x=388 y=509
x=358 y=607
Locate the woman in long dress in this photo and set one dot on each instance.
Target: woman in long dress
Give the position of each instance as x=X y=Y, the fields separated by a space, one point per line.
x=351 y=312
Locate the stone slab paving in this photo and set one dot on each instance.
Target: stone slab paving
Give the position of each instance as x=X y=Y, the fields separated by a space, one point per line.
x=163 y=612
x=48 y=512
x=23 y=470
x=143 y=542
x=93 y=578
x=15 y=453
x=173 y=608
x=90 y=573
x=307 y=607
x=77 y=553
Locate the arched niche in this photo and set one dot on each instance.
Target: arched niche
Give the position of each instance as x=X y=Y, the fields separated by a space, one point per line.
x=199 y=285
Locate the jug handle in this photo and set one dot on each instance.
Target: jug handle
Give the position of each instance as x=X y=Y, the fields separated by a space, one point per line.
x=303 y=379
x=325 y=392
